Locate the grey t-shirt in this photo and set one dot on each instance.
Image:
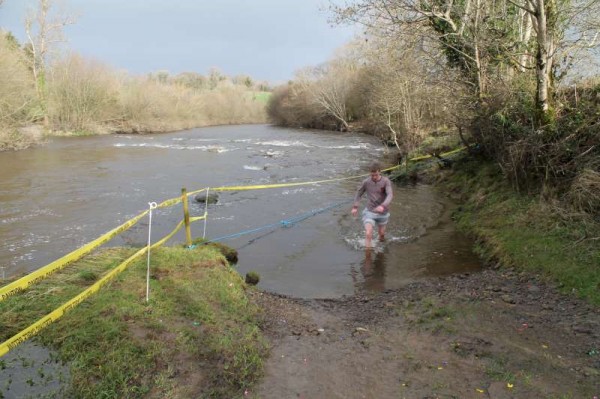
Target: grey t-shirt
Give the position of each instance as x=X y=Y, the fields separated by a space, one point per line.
x=378 y=193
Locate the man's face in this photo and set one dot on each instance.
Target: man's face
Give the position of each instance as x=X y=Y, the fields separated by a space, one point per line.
x=376 y=175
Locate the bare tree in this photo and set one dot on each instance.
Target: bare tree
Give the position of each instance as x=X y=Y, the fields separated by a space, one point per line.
x=560 y=30
x=43 y=31
x=410 y=93
x=456 y=26
x=478 y=36
x=329 y=87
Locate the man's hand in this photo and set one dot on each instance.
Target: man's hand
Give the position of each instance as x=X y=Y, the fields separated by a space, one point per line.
x=354 y=211
x=380 y=209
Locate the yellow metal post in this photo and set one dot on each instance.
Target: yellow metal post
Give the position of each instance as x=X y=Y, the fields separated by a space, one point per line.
x=186 y=217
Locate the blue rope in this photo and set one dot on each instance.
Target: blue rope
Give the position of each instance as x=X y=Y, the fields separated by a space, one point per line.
x=282 y=223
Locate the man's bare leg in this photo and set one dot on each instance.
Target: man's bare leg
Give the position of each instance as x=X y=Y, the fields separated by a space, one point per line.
x=381 y=230
x=368 y=235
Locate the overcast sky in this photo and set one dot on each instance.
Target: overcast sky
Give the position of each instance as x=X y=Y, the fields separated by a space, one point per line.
x=266 y=39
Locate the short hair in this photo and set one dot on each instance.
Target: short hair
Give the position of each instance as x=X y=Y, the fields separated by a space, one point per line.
x=374 y=166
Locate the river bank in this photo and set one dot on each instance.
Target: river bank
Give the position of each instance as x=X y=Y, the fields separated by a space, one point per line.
x=525 y=231
x=513 y=330
x=80 y=96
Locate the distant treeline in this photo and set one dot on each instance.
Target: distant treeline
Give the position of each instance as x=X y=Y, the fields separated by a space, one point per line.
x=76 y=95
x=524 y=88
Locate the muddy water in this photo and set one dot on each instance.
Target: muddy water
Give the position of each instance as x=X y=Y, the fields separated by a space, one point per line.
x=57 y=197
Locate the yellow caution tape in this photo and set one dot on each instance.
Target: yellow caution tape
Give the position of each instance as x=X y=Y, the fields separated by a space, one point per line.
x=281 y=185
x=441 y=155
x=24 y=282
x=56 y=314
x=169 y=202
x=420 y=158
x=453 y=151
x=197 y=191
x=195 y=218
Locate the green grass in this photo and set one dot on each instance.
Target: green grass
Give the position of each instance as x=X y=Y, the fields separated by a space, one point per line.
x=262 y=96
x=497 y=370
x=197 y=337
x=526 y=233
x=435 y=317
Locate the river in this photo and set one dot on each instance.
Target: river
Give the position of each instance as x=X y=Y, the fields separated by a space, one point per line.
x=57 y=197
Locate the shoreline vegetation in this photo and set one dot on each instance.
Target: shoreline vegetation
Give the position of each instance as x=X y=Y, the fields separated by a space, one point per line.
x=83 y=97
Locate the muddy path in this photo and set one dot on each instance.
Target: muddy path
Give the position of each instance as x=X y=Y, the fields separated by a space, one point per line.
x=492 y=334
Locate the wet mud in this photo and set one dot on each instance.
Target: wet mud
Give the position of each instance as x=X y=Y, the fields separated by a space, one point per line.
x=492 y=334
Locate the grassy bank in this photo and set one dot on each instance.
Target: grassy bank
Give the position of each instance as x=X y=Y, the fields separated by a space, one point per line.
x=197 y=337
x=524 y=231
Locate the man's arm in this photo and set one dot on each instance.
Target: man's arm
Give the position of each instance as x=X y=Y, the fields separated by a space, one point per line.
x=359 y=193
x=361 y=190
x=389 y=195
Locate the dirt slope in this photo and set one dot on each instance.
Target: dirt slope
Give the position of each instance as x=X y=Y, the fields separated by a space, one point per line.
x=494 y=334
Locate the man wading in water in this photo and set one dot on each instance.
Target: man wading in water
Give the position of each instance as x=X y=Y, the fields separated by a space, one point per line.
x=379 y=197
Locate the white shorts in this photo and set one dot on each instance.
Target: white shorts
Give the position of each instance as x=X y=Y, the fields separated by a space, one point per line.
x=374 y=218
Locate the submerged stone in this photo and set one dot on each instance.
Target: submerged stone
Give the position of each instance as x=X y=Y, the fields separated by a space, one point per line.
x=212 y=198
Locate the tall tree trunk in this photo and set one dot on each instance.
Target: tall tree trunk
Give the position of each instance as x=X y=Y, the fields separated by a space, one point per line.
x=525 y=27
x=42 y=31
x=481 y=84
x=543 y=58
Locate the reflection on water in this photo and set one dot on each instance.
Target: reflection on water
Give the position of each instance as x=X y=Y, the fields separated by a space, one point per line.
x=373 y=270
x=440 y=251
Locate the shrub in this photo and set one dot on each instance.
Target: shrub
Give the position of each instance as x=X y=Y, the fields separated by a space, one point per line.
x=82 y=95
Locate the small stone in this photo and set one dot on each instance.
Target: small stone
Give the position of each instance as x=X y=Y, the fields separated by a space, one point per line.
x=533 y=288
x=212 y=198
x=359 y=331
x=508 y=299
